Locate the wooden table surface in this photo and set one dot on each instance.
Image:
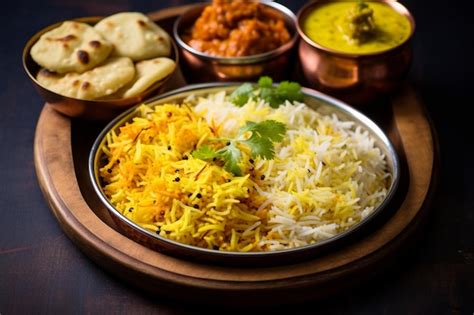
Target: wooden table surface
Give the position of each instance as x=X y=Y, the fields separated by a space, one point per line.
x=41 y=271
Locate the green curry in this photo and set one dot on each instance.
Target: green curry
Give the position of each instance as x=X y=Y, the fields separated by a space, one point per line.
x=357 y=27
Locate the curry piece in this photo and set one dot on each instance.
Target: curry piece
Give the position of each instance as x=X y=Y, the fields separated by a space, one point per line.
x=358 y=26
x=237 y=28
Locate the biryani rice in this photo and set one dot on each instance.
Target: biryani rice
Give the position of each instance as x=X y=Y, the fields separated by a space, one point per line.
x=327 y=175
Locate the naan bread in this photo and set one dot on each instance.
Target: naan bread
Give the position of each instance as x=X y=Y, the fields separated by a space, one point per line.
x=71 y=47
x=147 y=73
x=98 y=82
x=135 y=36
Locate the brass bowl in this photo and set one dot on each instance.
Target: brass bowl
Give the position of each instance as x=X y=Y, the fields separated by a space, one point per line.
x=105 y=109
x=317 y=101
x=201 y=67
x=354 y=78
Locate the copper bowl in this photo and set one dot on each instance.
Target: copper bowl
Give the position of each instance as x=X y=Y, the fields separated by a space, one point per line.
x=201 y=67
x=105 y=109
x=354 y=78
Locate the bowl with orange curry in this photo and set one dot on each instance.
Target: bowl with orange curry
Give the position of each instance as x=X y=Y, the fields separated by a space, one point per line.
x=235 y=40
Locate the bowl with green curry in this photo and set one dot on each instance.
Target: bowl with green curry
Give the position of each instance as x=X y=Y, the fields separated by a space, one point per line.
x=358 y=51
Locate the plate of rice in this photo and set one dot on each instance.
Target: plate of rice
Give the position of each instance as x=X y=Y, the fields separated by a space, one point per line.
x=238 y=174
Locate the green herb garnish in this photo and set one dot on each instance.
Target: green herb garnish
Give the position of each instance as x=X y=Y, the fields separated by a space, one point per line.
x=242 y=94
x=261 y=143
x=274 y=95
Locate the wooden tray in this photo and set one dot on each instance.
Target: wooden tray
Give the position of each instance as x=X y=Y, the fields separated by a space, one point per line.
x=61 y=149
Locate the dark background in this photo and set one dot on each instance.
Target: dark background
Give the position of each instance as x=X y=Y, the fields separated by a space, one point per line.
x=41 y=271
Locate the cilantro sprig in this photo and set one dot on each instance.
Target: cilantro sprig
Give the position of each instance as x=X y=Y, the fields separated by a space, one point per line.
x=274 y=95
x=261 y=143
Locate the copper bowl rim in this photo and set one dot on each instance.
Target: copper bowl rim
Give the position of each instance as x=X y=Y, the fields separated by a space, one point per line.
x=105 y=101
x=245 y=59
x=211 y=255
x=397 y=6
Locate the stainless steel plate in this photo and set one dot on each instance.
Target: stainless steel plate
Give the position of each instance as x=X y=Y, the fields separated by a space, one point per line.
x=316 y=100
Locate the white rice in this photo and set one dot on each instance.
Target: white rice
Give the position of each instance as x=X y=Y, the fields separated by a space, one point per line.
x=326 y=176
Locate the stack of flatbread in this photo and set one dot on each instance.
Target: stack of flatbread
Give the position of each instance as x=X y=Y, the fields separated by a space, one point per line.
x=120 y=57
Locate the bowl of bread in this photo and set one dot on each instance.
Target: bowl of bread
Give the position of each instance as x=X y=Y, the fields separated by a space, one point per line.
x=95 y=68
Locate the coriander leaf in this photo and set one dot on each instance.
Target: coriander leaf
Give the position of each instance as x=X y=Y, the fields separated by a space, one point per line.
x=205 y=153
x=268 y=94
x=273 y=95
x=231 y=156
x=260 y=147
x=263 y=136
x=265 y=82
x=242 y=94
x=290 y=91
x=271 y=129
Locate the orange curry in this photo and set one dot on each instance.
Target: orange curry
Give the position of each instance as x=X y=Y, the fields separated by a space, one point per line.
x=236 y=28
